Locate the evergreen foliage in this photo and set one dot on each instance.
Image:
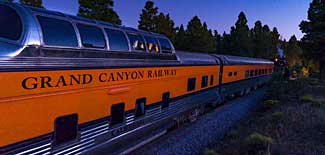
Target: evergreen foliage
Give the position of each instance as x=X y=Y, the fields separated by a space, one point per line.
x=99 y=10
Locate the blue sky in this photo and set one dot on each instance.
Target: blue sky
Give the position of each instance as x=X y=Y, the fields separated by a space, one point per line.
x=286 y=15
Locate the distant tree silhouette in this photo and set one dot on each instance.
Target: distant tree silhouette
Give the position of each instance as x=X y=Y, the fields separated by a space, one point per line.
x=165 y=25
x=99 y=10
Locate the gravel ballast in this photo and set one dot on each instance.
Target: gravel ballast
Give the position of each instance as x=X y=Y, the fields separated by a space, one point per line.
x=209 y=128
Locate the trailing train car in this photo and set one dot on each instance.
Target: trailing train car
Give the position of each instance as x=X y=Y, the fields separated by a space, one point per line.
x=72 y=85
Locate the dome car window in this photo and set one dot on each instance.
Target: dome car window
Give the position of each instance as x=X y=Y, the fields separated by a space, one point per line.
x=57 y=32
x=136 y=41
x=152 y=44
x=117 y=40
x=91 y=36
x=166 y=47
x=11 y=25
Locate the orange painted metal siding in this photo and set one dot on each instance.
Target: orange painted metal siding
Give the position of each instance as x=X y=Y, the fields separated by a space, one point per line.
x=30 y=113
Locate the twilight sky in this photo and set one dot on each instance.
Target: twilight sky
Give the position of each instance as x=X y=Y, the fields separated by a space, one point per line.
x=286 y=15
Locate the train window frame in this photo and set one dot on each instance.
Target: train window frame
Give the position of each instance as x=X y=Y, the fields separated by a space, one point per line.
x=127 y=41
x=22 y=25
x=120 y=117
x=146 y=38
x=211 y=80
x=144 y=50
x=166 y=40
x=235 y=73
x=191 y=82
x=204 y=81
x=230 y=74
x=140 y=104
x=165 y=100
x=43 y=43
x=251 y=73
x=99 y=30
x=246 y=74
x=60 y=127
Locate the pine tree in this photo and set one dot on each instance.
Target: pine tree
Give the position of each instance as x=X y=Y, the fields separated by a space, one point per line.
x=34 y=3
x=147 y=17
x=180 y=40
x=165 y=25
x=257 y=35
x=217 y=41
x=275 y=41
x=242 y=37
x=99 y=10
x=197 y=35
x=314 y=38
x=292 y=52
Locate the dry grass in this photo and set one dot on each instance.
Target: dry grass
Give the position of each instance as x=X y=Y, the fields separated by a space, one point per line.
x=286 y=126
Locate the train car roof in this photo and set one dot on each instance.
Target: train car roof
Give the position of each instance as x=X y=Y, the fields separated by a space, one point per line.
x=233 y=60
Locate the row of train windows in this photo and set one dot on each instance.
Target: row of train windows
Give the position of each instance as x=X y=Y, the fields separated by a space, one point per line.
x=58 y=32
x=257 y=72
x=191 y=82
x=66 y=127
x=232 y=74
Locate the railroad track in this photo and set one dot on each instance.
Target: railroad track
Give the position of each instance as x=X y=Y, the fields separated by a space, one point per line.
x=193 y=138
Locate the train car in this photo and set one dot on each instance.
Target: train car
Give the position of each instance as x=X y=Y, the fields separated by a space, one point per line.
x=72 y=85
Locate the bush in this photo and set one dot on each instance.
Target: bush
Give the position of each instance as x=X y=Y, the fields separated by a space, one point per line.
x=317 y=103
x=233 y=134
x=268 y=104
x=276 y=117
x=306 y=98
x=210 y=152
x=258 y=144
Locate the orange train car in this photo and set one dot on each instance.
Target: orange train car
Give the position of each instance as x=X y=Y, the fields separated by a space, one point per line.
x=72 y=85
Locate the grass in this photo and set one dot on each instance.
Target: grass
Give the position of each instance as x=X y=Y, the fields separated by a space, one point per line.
x=306 y=98
x=285 y=127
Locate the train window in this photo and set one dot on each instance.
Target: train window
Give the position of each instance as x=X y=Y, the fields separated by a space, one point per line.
x=230 y=74
x=204 y=82
x=57 y=32
x=117 y=40
x=11 y=24
x=265 y=71
x=165 y=100
x=65 y=129
x=191 y=84
x=137 y=42
x=235 y=73
x=91 y=36
x=256 y=72
x=166 y=47
x=259 y=72
x=211 y=80
x=140 y=107
x=152 y=44
x=117 y=113
x=252 y=73
x=246 y=74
